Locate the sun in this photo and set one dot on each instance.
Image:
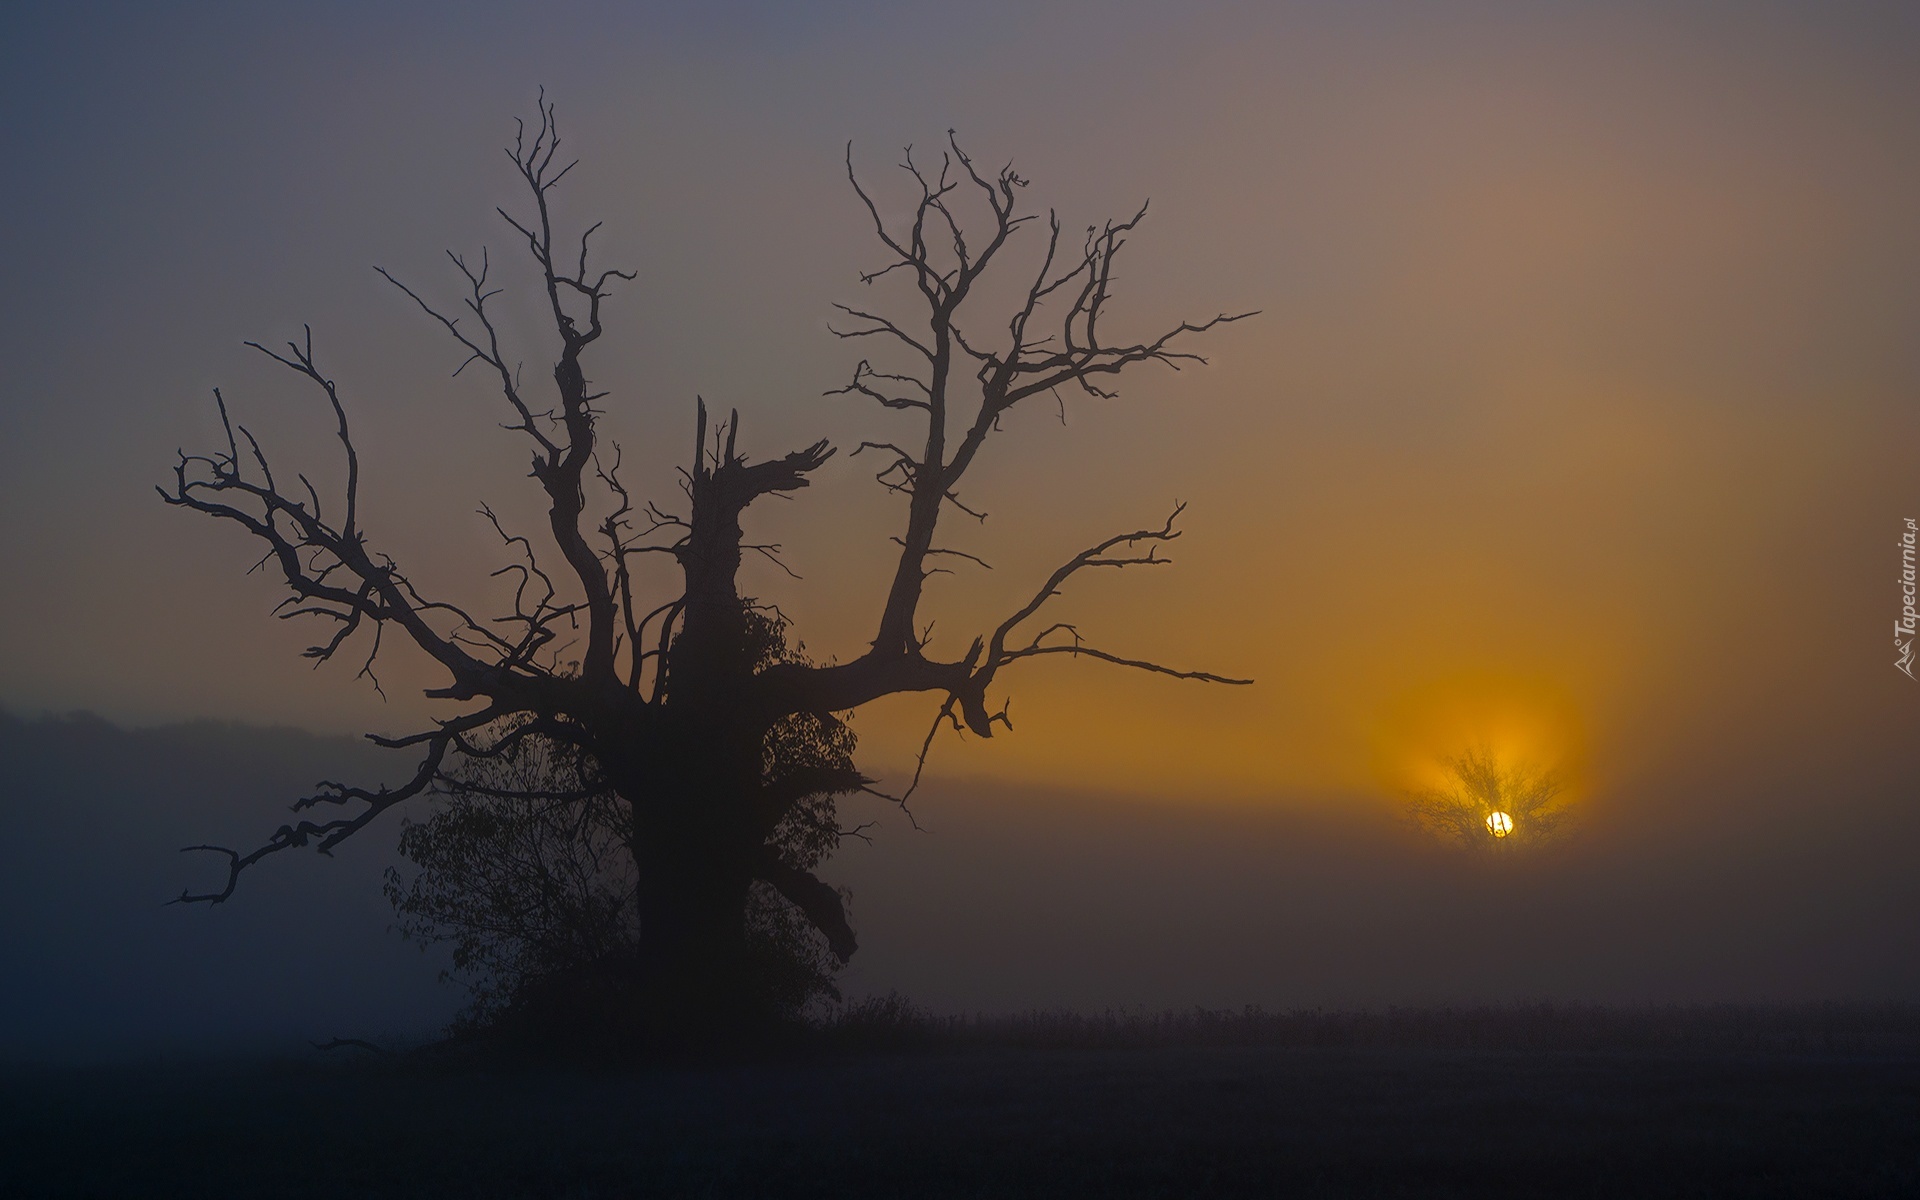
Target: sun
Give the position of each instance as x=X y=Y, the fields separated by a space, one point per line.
x=1485 y=800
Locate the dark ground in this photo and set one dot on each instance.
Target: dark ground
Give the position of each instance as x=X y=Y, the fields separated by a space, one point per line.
x=1596 y=1105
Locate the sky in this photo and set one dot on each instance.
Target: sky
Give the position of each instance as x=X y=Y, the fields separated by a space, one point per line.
x=1579 y=422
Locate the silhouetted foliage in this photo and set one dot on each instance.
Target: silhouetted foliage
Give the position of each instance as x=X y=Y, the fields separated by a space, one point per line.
x=523 y=871
x=1490 y=806
x=596 y=716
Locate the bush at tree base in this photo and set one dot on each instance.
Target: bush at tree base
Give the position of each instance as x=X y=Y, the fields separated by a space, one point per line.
x=525 y=872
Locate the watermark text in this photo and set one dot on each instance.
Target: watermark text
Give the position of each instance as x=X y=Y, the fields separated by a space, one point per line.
x=1903 y=629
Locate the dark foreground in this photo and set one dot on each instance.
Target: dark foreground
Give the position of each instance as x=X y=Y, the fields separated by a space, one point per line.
x=1028 y=1111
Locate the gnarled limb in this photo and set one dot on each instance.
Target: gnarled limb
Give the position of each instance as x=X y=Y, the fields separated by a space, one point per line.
x=819 y=902
x=330 y=833
x=565 y=448
x=312 y=553
x=945 y=270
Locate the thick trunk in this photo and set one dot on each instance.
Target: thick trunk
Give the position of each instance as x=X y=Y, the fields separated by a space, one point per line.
x=693 y=775
x=699 y=849
x=695 y=965
x=695 y=846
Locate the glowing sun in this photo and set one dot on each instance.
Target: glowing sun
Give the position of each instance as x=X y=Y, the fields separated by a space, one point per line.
x=1485 y=802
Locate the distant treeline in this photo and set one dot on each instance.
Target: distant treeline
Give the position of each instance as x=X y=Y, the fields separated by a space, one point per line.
x=1836 y=1028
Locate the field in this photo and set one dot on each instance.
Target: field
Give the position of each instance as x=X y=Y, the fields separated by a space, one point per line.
x=1484 y=1103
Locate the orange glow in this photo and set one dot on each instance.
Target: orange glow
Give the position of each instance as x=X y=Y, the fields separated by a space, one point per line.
x=1513 y=720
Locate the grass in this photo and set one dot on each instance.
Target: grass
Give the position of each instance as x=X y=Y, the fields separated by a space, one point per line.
x=885 y=1101
x=1811 y=1028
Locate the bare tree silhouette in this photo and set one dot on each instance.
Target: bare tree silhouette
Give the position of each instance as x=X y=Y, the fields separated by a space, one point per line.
x=1491 y=806
x=674 y=700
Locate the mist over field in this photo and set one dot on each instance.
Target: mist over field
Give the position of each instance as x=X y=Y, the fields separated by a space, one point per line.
x=1008 y=900
x=99 y=966
x=1578 y=423
x=1420 y=703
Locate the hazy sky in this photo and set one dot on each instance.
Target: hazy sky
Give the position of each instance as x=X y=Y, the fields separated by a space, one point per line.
x=1580 y=420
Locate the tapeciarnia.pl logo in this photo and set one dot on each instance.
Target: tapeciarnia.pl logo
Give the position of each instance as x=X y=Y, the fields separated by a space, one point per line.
x=1903 y=629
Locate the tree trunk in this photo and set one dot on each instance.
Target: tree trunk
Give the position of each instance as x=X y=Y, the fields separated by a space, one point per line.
x=695 y=847
x=695 y=963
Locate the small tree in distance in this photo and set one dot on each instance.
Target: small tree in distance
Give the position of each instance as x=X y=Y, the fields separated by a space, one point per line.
x=1490 y=806
x=681 y=729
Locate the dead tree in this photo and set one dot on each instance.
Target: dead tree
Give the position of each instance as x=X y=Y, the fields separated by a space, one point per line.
x=672 y=700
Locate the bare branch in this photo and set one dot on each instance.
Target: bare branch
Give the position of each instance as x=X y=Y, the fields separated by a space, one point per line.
x=331 y=833
x=1032 y=362
x=690 y=733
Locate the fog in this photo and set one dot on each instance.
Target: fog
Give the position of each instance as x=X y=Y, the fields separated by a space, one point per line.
x=1578 y=422
x=1006 y=899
